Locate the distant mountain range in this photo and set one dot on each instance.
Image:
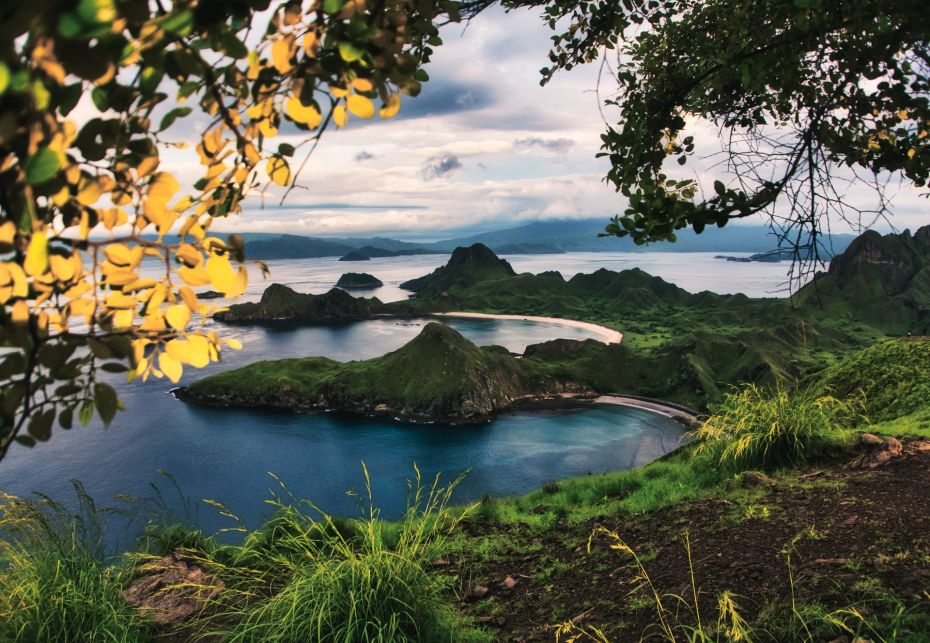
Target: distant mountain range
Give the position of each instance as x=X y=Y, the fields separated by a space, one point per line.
x=544 y=237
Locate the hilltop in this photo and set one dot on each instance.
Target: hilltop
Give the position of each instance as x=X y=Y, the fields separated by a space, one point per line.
x=359 y=280
x=466 y=267
x=438 y=376
x=280 y=303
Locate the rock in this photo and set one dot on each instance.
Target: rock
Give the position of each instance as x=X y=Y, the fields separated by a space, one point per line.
x=476 y=592
x=509 y=582
x=171 y=589
x=756 y=479
x=880 y=455
x=870 y=440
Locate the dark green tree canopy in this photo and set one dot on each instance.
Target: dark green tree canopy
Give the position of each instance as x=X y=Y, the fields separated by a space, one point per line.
x=808 y=95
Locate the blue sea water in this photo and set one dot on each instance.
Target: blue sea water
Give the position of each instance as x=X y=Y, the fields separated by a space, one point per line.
x=227 y=454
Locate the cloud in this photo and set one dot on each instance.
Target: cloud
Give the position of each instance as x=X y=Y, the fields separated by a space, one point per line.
x=558 y=145
x=439 y=166
x=364 y=155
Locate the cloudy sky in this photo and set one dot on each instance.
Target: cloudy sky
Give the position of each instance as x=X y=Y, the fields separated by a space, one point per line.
x=483 y=147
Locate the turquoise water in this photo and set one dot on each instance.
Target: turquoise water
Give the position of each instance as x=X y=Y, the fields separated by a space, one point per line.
x=227 y=454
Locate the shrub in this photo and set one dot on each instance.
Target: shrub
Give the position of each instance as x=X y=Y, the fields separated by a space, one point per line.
x=755 y=427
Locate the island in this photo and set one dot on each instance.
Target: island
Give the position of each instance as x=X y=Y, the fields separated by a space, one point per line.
x=439 y=376
x=358 y=281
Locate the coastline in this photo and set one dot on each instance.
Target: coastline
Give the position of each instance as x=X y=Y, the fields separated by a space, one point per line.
x=608 y=335
x=655 y=406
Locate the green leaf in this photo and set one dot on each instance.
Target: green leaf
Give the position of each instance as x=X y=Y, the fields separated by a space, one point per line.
x=333 y=6
x=106 y=402
x=286 y=149
x=40 y=425
x=178 y=23
x=101 y=98
x=349 y=52
x=720 y=188
x=86 y=412
x=169 y=118
x=42 y=166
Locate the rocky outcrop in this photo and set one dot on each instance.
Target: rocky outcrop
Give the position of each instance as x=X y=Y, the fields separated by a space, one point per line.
x=358 y=280
x=467 y=266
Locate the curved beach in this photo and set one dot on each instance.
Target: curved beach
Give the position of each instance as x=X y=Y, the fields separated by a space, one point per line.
x=608 y=335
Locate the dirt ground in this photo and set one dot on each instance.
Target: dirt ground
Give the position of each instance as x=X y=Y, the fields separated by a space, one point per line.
x=851 y=532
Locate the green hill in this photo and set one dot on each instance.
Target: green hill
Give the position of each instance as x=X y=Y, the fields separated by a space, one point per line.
x=893 y=376
x=280 y=303
x=358 y=280
x=438 y=376
x=467 y=266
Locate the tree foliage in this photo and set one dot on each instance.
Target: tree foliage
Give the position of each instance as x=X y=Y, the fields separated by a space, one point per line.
x=102 y=252
x=811 y=98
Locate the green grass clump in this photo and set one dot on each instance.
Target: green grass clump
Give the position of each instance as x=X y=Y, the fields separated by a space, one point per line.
x=760 y=428
x=306 y=576
x=54 y=585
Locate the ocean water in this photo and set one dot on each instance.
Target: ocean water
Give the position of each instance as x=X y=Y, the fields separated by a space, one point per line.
x=228 y=454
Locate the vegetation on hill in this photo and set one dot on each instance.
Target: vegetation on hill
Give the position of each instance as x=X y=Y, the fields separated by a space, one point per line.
x=438 y=376
x=283 y=304
x=358 y=280
x=466 y=267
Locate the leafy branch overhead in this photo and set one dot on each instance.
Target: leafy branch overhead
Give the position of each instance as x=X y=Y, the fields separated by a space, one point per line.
x=89 y=278
x=811 y=98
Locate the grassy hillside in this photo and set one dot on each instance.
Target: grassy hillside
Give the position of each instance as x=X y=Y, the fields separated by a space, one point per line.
x=439 y=375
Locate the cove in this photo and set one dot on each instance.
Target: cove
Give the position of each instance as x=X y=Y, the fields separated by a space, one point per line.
x=227 y=454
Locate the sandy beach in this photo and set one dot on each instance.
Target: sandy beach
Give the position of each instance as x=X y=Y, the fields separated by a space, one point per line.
x=607 y=335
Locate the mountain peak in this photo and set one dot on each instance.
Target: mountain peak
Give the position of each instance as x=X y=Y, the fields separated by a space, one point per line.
x=466 y=266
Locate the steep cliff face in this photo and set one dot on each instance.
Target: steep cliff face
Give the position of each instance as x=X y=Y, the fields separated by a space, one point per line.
x=467 y=266
x=439 y=376
x=282 y=304
x=883 y=280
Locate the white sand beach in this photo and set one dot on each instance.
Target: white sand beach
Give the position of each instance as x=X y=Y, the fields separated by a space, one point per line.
x=607 y=335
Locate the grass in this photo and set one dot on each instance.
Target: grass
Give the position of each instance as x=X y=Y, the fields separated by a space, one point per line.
x=759 y=428
x=54 y=584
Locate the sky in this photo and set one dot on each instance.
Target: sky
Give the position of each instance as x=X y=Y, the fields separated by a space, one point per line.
x=483 y=147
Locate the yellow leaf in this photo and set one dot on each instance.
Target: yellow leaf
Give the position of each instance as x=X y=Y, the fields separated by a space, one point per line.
x=189 y=298
x=198 y=352
x=163 y=187
x=147 y=166
x=170 y=367
x=64 y=268
x=37 y=255
x=308 y=115
x=7 y=233
x=178 y=316
x=340 y=116
x=154 y=322
x=361 y=106
x=13 y=281
x=391 y=107
x=20 y=313
x=120 y=254
x=267 y=128
x=239 y=284
x=310 y=43
x=903 y=115
x=911 y=153
x=278 y=170
x=221 y=273
x=363 y=85
x=252 y=155
x=234 y=344
x=123 y=318
x=281 y=52
x=338 y=92
x=194 y=276
x=120 y=301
